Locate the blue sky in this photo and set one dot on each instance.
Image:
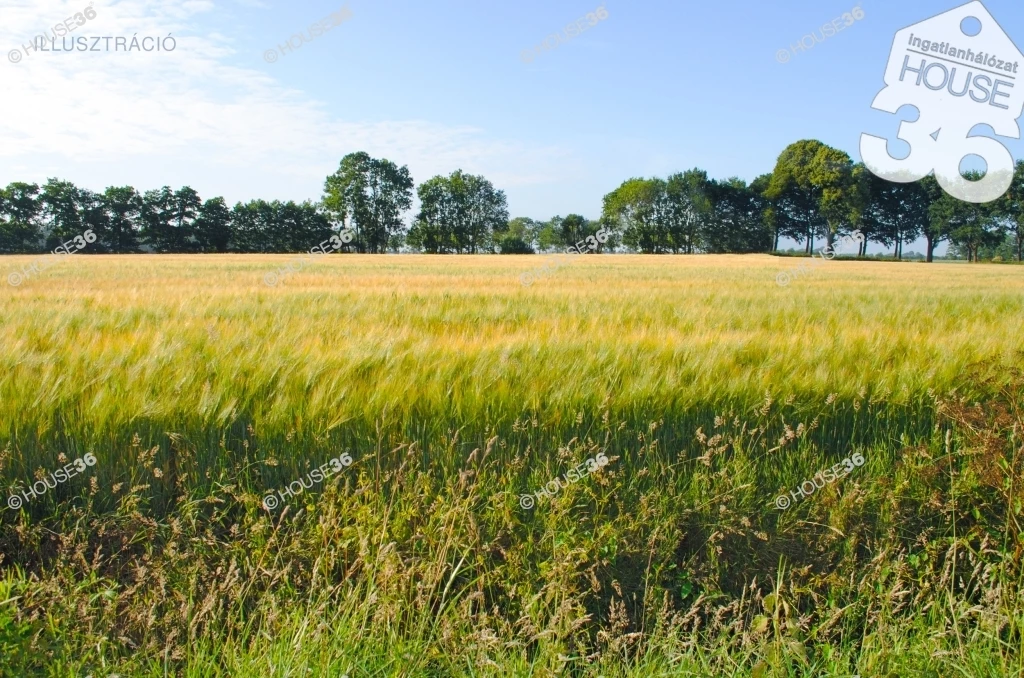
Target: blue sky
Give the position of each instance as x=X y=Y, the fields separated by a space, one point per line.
x=654 y=88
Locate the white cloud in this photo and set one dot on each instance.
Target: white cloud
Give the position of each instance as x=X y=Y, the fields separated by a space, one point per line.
x=192 y=113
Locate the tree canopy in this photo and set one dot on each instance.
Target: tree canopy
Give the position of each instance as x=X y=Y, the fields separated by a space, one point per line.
x=813 y=193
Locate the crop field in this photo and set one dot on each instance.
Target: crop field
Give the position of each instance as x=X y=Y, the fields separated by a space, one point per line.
x=437 y=417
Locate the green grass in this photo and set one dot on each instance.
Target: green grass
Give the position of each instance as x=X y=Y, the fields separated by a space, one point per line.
x=711 y=389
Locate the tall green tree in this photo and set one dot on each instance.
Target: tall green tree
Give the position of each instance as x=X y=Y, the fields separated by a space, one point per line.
x=158 y=221
x=636 y=209
x=797 y=197
x=548 y=234
x=20 y=210
x=1010 y=208
x=122 y=211
x=518 y=236
x=688 y=210
x=844 y=191
x=767 y=208
x=937 y=230
x=185 y=205
x=897 y=213
x=458 y=213
x=213 y=226
x=971 y=226
x=62 y=205
x=370 y=196
x=736 y=225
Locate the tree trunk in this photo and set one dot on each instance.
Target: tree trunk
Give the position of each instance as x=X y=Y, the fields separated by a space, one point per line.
x=931 y=247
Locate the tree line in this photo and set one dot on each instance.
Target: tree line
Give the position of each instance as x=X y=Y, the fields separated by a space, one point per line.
x=815 y=193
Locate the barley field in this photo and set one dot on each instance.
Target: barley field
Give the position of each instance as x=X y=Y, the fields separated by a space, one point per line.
x=454 y=392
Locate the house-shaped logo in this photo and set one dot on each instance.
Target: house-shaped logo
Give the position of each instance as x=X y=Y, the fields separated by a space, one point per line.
x=960 y=70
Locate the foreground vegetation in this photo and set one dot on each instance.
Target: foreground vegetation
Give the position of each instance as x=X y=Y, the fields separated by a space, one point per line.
x=455 y=390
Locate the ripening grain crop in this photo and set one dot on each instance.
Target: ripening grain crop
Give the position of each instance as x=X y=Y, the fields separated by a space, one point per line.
x=456 y=390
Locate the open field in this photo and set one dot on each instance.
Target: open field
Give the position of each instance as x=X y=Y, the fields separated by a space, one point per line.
x=455 y=390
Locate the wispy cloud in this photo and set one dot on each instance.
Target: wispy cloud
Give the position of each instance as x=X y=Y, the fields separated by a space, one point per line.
x=195 y=107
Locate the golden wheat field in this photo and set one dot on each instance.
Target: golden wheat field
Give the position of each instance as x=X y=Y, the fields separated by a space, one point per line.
x=105 y=339
x=454 y=391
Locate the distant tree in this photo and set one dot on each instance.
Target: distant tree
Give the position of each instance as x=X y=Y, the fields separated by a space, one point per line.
x=937 y=229
x=458 y=213
x=861 y=207
x=121 y=208
x=370 y=196
x=793 y=214
x=185 y=210
x=796 y=196
x=518 y=236
x=636 y=211
x=897 y=213
x=62 y=205
x=548 y=234
x=1010 y=209
x=737 y=225
x=843 y=191
x=511 y=244
x=251 y=224
x=971 y=226
x=434 y=228
x=95 y=219
x=1006 y=250
x=687 y=210
x=313 y=226
x=767 y=208
x=158 y=220
x=19 y=218
x=213 y=226
x=572 y=229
